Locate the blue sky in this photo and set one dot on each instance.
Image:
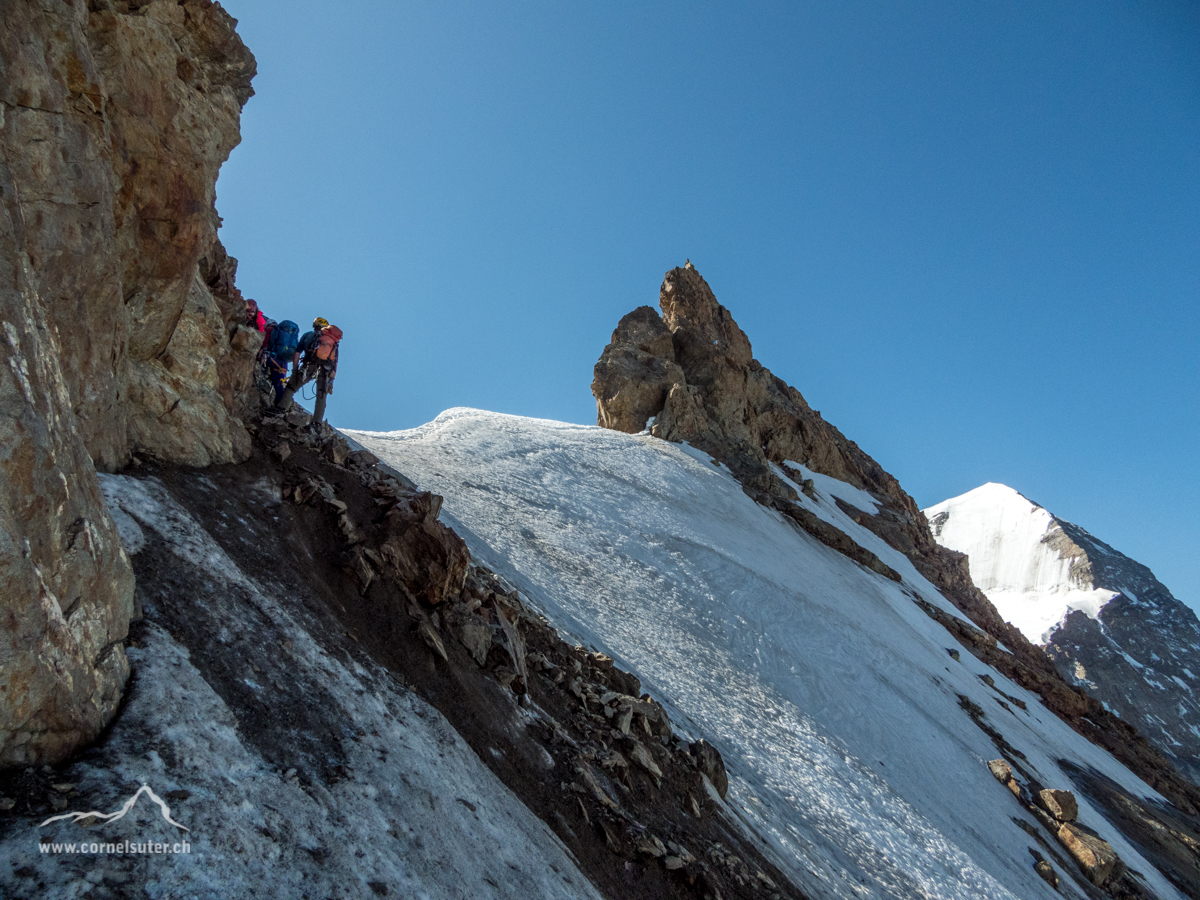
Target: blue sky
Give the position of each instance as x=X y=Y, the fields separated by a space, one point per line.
x=968 y=233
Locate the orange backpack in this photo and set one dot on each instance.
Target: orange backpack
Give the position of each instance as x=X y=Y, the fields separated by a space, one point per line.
x=327 y=342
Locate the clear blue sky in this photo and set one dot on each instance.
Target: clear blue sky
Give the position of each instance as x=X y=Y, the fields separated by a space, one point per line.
x=968 y=233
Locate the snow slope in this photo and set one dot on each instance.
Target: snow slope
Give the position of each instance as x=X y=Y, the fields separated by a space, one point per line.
x=830 y=694
x=1025 y=576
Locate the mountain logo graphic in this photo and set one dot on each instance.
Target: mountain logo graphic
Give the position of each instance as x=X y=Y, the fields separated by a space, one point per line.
x=120 y=813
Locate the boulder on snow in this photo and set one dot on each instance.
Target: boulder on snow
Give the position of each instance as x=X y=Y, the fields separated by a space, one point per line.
x=1001 y=769
x=1003 y=774
x=1060 y=804
x=1096 y=857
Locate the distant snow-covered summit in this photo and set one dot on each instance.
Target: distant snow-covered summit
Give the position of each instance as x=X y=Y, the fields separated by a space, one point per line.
x=1020 y=557
x=1109 y=625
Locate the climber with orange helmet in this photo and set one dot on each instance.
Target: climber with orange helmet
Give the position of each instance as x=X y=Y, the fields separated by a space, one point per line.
x=319 y=348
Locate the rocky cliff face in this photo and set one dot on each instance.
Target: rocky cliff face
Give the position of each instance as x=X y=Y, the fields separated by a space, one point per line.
x=690 y=375
x=120 y=319
x=1107 y=623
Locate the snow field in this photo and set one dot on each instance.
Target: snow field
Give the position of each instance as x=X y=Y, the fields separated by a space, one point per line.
x=828 y=691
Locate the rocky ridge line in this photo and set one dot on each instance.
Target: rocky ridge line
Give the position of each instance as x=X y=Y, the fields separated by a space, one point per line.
x=689 y=375
x=1144 y=622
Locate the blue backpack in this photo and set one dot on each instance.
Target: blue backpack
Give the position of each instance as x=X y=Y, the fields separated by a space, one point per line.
x=284 y=338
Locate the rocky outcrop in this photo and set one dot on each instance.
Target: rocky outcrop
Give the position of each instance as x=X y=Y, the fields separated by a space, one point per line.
x=692 y=371
x=117 y=118
x=704 y=386
x=425 y=555
x=66 y=587
x=636 y=372
x=1056 y=810
x=1094 y=855
x=1060 y=804
x=177 y=411
x=114 y=120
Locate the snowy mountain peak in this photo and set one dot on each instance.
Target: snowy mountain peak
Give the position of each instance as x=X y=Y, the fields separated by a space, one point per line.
x=995 y=494
x=1020 y=556
x=1109 y=625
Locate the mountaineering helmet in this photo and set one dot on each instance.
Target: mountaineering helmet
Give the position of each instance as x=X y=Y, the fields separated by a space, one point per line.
x=319 y=322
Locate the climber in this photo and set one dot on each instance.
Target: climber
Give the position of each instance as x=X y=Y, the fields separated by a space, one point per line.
x=320 y=350
x=279 y=349
x=254 y=316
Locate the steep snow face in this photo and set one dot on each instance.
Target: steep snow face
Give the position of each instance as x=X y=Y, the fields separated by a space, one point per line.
x=829 y=692
x=1015 y=560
